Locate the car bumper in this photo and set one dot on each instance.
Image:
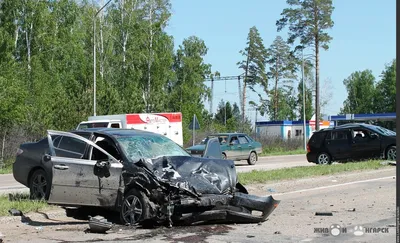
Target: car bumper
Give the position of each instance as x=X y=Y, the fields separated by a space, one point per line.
x=21 y=172
x=311 y=157
x=230 y=209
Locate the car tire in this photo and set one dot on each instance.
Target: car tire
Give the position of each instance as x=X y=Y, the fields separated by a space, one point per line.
x=252 y=160
x=223 y=156
x=39 y=185
x=135 y=207
x=324 y=159
x=391 y=153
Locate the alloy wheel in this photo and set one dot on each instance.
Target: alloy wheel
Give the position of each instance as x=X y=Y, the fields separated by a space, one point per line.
x=39 y=186
x=132 y=209
x=253 y=158
x=391 y=153
x=323 y=159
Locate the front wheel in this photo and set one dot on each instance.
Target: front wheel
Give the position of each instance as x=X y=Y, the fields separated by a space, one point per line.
x=324 y=159
x=391 y=153
x=135 y=207
x=252 y=160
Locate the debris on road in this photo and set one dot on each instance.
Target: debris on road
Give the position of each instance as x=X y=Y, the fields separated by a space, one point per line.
x=277 y=233
x=271 y=190
x=323 y=214
x=15 y=212
x=351 y=210
x=99 y=224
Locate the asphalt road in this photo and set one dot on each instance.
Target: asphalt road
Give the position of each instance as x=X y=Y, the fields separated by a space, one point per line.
x=274 y=162
x=8 y=184
x=351 y=198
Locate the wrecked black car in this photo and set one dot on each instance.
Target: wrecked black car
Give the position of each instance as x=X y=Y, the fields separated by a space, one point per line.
x=146 y=177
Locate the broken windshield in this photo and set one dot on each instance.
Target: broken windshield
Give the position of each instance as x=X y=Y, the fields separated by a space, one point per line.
x=149 y=146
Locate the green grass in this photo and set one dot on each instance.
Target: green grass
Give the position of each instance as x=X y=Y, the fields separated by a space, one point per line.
x=21 y=201
x=6 y=169
x=281 y=151
x=257 y=176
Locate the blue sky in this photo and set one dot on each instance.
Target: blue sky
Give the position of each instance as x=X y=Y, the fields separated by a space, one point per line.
x=364 y=37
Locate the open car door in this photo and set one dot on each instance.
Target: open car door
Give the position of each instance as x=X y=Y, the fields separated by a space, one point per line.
x=213 y=149
x=82 y=181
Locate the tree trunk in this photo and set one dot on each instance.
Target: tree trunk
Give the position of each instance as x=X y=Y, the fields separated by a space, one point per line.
x=276 y=91
x=124 y=43
x=2 y=150
x=149 y=62
x=28 y=45
x=317 y=111
x=16 y=36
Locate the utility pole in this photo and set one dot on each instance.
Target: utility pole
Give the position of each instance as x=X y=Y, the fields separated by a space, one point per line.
x=255 y=125
x=94 y=57
x=304 y=100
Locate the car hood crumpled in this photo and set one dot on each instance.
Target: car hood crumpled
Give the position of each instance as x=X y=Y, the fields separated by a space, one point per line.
x=199 y=175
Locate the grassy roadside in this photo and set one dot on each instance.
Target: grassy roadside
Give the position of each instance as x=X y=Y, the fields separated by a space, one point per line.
x=21 y=201
x=281 y=151
x=257 y=176
x=6 y=170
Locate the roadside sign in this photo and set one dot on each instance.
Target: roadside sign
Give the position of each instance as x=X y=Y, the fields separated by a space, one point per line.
x=196 y=124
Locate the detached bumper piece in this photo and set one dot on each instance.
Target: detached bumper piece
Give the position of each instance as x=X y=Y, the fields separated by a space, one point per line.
x=240 y=208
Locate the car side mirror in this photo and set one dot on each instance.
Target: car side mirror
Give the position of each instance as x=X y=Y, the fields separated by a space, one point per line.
x=46 y=158
x=102 y=169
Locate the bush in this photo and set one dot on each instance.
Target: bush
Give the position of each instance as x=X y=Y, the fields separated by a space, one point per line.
x=13 y=138
x=276 y=144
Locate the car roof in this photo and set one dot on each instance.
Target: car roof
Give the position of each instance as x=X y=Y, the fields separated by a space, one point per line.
x=115 y=131
x=227 y=134
x=345 y=126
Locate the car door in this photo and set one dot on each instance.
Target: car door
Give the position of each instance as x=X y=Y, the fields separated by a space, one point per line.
x=234 y=148
x=364 y=145
x=338 y=144
x=245 y=147
x=73 y=179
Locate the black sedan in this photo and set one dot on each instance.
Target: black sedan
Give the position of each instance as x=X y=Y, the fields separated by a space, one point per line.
x=144 y=176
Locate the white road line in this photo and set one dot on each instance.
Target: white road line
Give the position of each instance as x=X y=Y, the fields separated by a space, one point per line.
x=331 y=186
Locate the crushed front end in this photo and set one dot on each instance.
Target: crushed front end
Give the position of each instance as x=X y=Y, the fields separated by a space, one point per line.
x=187 y=190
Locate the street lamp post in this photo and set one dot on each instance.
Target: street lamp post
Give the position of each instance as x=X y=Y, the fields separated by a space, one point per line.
x=94 y=57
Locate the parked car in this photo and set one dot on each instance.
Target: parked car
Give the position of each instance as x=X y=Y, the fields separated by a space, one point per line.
x=142 y=175
x=234 y=146
x=351 y=141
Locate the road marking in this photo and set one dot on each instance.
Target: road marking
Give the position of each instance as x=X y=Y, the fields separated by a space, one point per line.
x=337 y=185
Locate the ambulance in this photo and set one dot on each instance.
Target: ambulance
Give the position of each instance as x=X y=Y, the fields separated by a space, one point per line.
x=167 y=124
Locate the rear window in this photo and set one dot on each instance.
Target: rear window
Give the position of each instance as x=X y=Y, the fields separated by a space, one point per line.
x=338 y=135
x=317 y=139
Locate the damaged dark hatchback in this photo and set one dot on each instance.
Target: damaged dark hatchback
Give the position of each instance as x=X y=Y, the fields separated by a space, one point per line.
x=147 y=177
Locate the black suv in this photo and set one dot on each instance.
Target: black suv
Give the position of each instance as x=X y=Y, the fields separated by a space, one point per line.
x=351 y=141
